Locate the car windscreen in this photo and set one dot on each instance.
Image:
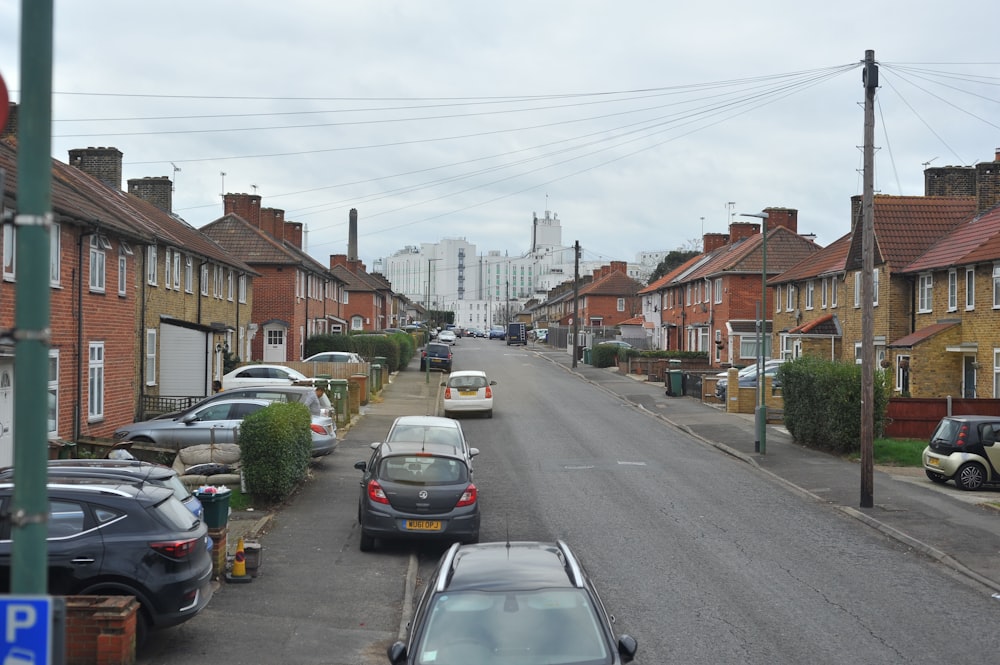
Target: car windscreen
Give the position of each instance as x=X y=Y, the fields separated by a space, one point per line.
x=424 y=434
x=422 y=470
x=467 y=382
x=174 y=514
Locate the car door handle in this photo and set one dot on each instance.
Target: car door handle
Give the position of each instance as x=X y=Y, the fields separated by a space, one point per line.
x=83 y=560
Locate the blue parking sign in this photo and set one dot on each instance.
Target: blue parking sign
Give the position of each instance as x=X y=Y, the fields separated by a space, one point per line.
x=26 y=625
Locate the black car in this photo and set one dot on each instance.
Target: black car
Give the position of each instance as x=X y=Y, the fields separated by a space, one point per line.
x=511 y=602
x=436 y=355
x=965 y=449
x=109 y=538
x=417 y=491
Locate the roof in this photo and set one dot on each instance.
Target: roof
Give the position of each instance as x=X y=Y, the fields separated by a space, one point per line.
x=828 y=261
x=824 y=326
x=256 y=246
x=923 y=334
x=507 y=566
x=907 y=226
x=613 y=284
x=973 y=241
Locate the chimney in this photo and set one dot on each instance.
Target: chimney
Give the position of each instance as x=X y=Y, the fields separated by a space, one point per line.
x=272 y=220
x=338 y=260
x=105 y=164
x=9 y=131
x=246 y=206
x=786 y=217
x=352 y=235
x=618 y=266
x=713 y=241
x=158 y=191
x=742 y=230
x=293 y=233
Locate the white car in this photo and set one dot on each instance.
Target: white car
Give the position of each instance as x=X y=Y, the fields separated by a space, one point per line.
x=261 y=375
x=447 y=337
x=334 y=357
x=468 y=391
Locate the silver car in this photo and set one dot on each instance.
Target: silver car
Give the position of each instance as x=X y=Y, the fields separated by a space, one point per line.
x=217 y=422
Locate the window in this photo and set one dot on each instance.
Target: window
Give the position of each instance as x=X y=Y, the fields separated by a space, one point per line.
x=621 y=305
x=54 y=392
x=95 y=382
x=833 y=293
x=857 y=288
x=777 y=299
x=204 y=279
x=167 y=268
x=98 y=270
x=996 y=286
x=151 y=357
x=952 y=290
x=903 y=374
x=357 y=323
x=188 y=274
x=243 y=289
x=151 y=265
x=822 y=293
x=789 y=298
x=925 y=289
x=810 y=294
x=177 y=271
x=748 y=347
x=996 y=373
x=9 y=253
x=970 y=288
x=688 y=299
x=217 y=282
x=718 y=290
x=122 y=272
x=55 y=242
x=229 y=285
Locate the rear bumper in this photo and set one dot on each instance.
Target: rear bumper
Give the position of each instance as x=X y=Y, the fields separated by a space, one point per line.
x=454 y=526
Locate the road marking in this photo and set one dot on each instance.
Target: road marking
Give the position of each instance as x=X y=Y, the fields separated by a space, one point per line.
x=631 y=463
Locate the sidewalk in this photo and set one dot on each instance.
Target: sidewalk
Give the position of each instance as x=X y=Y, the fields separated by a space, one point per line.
x=958 y=529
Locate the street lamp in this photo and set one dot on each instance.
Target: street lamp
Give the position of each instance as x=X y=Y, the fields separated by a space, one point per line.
x=427 y=359
x=760 y=445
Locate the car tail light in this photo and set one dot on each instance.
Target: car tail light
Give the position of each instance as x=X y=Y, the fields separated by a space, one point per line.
x=489 y=393
x=319 y=429
x=176 y=549
x=447 y=392
x=468 y=496
x=963 y=435
x=376 y=493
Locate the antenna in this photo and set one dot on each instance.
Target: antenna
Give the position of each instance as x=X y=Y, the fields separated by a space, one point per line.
x=730 y=205
x=177 y=169
x=254 y=187
x=927 y=163
x=223 y=175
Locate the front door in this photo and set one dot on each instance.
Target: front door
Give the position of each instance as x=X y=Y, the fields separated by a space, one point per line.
x=274 y=343
x=969 y=377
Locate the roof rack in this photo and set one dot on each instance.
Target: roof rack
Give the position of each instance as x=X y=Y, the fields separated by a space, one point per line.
x=572 y=565
x=446 y=567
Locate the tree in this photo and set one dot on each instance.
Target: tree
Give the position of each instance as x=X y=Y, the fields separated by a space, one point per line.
x=671 y=261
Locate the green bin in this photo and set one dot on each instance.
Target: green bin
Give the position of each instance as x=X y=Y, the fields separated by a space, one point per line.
x=586 y=356
x=216 y=505
x=340 y=399
x=675 y=379
x=376 y=379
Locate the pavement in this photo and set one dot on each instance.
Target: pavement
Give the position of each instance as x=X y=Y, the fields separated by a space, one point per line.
x=958 y=529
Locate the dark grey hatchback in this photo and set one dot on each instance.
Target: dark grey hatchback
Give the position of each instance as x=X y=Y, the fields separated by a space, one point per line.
x=417 y=490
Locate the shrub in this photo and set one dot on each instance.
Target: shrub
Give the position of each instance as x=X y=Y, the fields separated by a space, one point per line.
x=823 y=403
x=322 y=343
x=370 y=346
x=275 y=449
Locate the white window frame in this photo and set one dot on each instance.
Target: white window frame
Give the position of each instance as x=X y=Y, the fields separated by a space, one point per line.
x=857 y=288
x=177 y=271
x=952 y=290
x=95 y=382
x=810 y=294
x=925 y=293
x=970 y=288
x=204 y=279
x=9 y=252
x=996 y=286
x=150 y=370
x=620 y=305
x=122 y=272
x=151 y=265
x=167 y=268
x=55 y=254
x=53 y=389
x=98 y=265
x=188 y=274
x=777 y=298
x=899 y=372
x=875 y=287
x=789 y=297
x=833 y=293
x=230 y=285
x=718 y=290
x=822 y=292
x=242 y=291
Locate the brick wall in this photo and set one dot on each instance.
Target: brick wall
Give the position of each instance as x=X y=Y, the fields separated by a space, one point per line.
x=105 y=164
x=158 y=191
x=100 y=630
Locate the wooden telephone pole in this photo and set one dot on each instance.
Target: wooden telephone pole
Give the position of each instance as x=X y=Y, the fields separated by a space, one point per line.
x=870 y=79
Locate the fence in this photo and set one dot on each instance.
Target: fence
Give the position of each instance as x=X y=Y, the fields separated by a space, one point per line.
x=916 y=417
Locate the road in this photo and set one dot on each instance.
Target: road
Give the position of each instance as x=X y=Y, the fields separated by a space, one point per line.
x=701 y=557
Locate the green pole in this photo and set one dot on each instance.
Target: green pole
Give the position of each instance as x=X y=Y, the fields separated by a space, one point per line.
x=32 y=224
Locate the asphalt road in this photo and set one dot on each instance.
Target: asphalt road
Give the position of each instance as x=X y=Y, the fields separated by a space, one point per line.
x=703 y=558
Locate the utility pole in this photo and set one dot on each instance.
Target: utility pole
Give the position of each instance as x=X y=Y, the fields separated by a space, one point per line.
x=576 y=301
x=870 y=80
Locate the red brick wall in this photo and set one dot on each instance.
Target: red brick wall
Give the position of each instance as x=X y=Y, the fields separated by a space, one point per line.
x=274 y=298
x=100 y=630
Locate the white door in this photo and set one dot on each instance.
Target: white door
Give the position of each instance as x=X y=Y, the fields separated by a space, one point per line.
x=185 y=361
x=274 y=343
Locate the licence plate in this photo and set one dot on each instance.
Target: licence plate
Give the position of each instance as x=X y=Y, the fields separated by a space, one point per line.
x=934 y=461
x=422 y=525
x=468 y=393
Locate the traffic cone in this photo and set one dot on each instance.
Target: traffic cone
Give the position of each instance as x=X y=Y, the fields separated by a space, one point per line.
x=239 y=569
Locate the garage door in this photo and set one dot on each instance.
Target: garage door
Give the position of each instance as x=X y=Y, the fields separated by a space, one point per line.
x=184 y=360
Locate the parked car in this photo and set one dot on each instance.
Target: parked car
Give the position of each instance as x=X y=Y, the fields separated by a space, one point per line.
x=123 y=470
x=747 y=377
x=436 y=355
x=106 y=537
x=488 y=601
x=261 y=375
x=541 y=334
x=334 y=357
x=216 y=422
x=616 y=342
x=965 y=449
x=273 y=393
x=447 y=337
x=430 y=429
x=468 y=391
x=498 y=332
x=416 y=491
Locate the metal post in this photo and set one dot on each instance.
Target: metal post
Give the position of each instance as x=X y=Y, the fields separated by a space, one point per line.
x=760 y=412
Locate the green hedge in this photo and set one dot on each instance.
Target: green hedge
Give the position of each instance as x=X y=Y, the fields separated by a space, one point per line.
x=823 y=403
x=275 y=449
x=397 y=348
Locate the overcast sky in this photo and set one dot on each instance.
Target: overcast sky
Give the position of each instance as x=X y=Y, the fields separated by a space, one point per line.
x=636 y=122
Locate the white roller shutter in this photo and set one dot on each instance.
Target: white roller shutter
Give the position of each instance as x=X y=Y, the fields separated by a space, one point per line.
x=184 y=361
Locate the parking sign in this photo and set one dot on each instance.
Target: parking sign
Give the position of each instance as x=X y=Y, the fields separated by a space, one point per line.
x=26 y=625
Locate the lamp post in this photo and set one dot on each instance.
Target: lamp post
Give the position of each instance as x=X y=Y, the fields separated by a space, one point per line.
x=427 y=359
x=760 y=445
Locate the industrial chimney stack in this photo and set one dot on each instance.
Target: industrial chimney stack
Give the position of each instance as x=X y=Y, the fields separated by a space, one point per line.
x=352 y=236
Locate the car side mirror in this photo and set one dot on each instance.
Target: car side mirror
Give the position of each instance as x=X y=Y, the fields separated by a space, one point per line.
x=396 y=652
x=444 y=383
x=473 y=452
x=493 y=383
x=361 y=466
x=627 y=646
x=374 y=445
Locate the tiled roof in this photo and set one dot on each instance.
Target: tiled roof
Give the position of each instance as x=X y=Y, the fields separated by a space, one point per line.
x=824 y=326
x=745 y=326
x=614 y=284
x=973 y=241
x=827 y=261
x=924 y=333
x=785 y=248
x=906 y=226
x=257 y=247
x=352 y=281
x=665 y=281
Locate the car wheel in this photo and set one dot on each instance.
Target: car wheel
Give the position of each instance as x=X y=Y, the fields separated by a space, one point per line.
x=489 y=414
x=936 y=477
x=366 y=543
x=970 y=476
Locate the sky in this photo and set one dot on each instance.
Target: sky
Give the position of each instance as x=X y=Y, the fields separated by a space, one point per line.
x=641 y=124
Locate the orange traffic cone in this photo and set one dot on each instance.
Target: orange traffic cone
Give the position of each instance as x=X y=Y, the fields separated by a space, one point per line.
x=239 y=569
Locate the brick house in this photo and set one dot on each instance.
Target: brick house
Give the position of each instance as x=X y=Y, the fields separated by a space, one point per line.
x=366 y=297
x=611 y=298
x=712 y=303
x=194 y=299
x=295 y=296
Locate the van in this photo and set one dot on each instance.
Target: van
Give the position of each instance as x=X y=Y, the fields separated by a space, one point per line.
x=516 y=334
